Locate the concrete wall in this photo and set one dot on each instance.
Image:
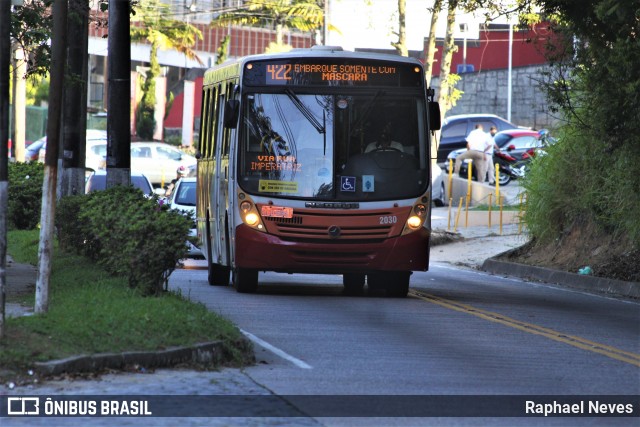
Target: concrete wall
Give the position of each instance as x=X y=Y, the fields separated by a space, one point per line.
x=486 y=92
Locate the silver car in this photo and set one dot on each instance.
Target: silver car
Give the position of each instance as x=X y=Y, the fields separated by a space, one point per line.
x=183 y=198
x=159 y=161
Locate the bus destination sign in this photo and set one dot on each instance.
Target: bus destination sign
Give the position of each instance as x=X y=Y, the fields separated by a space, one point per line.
x=319 y=73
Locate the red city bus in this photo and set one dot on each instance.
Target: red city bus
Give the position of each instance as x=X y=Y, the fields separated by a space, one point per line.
x=316 y=161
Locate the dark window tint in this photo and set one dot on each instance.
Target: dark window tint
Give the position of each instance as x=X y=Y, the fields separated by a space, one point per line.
x=186 y=194
x=502 y=139
x=456 y=129
x=99 y=182
x=486 y=125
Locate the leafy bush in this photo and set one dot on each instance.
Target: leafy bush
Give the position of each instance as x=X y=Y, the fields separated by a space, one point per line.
x=127 y=233
x=69 y=231
x=25 y=195
x=583 y=179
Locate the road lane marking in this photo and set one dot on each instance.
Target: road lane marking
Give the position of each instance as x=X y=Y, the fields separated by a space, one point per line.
x=575 y=341
x=299 y=363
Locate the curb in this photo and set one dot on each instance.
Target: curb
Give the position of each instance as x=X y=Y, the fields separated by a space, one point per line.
x=590 y=284
x=209 y=353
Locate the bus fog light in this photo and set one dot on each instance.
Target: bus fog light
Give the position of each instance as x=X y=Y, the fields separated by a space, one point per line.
x=420 y=210
x=251 y=219
x=245 y=207
x=414 y=222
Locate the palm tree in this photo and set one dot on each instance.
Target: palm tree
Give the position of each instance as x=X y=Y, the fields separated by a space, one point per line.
x=153 y=24
x=304 y=15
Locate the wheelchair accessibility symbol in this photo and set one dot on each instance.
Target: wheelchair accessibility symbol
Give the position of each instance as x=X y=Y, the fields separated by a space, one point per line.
x=348 y=183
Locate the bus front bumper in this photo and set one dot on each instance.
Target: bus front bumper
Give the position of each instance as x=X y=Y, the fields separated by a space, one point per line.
x=268 y=252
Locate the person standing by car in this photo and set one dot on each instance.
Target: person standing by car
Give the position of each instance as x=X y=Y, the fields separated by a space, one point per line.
x=181 y=172
x=491 y=172
x=477 y=144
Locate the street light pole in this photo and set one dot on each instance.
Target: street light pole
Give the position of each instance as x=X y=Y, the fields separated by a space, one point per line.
x=509 y=71
x=463 y=30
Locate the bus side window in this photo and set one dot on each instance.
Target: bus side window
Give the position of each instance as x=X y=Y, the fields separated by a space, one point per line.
x=205 y=119
x=213 y=127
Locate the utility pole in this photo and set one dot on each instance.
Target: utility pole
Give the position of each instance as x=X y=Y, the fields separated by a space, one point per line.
x=75 y=99
x=119 y=101
x=5 y=60
x=45 y=248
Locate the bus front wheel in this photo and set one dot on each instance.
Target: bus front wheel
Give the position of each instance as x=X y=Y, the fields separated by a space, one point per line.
x=394 y=283
x=353 y=283
x=245 y=280
x=218 y=274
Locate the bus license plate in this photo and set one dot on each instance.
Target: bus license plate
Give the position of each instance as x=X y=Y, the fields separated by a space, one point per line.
x=277 y=212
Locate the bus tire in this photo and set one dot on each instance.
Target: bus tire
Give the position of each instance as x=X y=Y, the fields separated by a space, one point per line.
x=376 y=282
x=398 y=285
x=395 y=284
x=245 y=280
x=353 y=283
x=218 y=275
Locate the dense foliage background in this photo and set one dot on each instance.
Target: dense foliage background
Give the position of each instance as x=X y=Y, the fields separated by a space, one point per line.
x=593 y=175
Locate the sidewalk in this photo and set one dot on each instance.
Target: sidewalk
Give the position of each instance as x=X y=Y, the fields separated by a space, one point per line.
x=476 y=246
x=20 y=279
x=473 y=241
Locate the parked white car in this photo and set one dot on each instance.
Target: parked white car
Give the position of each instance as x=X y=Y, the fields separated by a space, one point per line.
x=159 y=161
x=37 y=149
x=183 y=198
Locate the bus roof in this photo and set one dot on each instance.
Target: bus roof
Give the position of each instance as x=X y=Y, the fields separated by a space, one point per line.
x=324 y=52
x=234 y=67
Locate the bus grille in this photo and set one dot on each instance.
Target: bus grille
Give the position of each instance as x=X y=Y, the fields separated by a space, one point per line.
x=315 y=227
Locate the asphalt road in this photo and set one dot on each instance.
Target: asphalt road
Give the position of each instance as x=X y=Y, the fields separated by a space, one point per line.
x=460 y=334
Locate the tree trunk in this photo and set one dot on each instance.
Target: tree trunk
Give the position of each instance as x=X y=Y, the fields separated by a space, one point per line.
x=401 y=44
x=279 y=34
x=5 y=65
x=119 y=101
x=447 y=55
x=431 y=44
x=45 y=248
x=19 y=103
x=75 y=100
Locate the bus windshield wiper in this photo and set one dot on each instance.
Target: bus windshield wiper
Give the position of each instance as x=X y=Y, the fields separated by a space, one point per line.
x=305 y=111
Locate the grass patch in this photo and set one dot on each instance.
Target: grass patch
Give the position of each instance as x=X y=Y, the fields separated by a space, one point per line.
x=92 y=312
x=23 y=246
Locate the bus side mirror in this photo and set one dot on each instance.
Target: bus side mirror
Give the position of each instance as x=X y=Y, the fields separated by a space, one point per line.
x=434 y=116
x=231 y=113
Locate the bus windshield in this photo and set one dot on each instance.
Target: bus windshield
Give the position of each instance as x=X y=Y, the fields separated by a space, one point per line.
x=334 y=146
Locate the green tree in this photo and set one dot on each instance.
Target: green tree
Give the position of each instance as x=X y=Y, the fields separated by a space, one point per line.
x=592 y=176
x=221 y=53
x=153 y=24
x=278 y=14
x=31 y=25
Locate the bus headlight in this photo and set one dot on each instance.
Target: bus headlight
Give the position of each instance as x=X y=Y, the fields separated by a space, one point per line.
x=419 y=214
x=251 y=219
x=249 y=213
x=414 y=222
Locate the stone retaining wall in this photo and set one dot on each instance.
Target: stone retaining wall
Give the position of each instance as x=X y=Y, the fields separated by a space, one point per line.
x=486 y=92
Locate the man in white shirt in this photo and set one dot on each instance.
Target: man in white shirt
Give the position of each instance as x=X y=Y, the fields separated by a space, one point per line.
x=489 y=156
x=477 y=144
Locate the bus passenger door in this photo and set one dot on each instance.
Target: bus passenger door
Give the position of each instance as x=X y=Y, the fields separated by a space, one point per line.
x=220 y=190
